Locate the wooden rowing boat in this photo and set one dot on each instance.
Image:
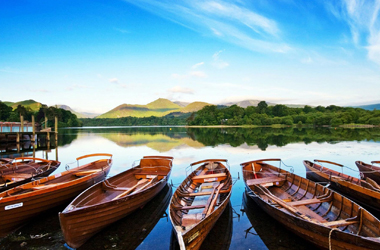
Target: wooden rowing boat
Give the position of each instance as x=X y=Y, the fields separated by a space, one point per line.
x=273 y=234
x=139 y=224
x=369 y=170
x=14 y=172
x=20 y=204
x=113 y=199
x=222 y=230
x=199 y=201
x=364 y=191
x=314 y=212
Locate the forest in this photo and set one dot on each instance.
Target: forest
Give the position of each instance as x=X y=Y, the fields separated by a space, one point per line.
x=65 y=117
x=263 y=114
x=260 y=115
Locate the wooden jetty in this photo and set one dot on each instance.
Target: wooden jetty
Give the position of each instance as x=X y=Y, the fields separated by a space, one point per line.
x=26 y=131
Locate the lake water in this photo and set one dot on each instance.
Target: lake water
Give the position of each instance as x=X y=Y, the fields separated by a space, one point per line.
x=242 y=226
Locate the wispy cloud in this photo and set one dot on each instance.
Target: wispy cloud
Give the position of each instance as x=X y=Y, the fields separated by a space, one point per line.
x=113 y=80
x=199 y=74
x=183 y=90
x=197 y=65
x=227 y=20
x=217 y=62
x=362 y=17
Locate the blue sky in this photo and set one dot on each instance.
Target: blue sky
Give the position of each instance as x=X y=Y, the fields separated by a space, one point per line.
x=95 y=55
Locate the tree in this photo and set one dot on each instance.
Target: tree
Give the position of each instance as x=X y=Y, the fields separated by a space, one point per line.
x=262 y=106
x=5 y=111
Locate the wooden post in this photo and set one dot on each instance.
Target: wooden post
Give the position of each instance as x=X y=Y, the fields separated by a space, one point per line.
x=56 y=129
x=22 y=123
x=46 y=122
x=33 y=129
x=56 y=151
x=18 y=137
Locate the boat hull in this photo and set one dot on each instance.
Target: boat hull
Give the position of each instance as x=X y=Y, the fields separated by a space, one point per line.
x=78 y=226
x=31 y=206
x=194 y=238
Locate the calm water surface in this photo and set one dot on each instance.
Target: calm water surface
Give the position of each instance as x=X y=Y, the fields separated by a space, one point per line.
x=242 y=226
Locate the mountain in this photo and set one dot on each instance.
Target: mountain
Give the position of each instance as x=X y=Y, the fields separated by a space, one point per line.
x=369 y=107
x=182 y=104
x=247 y=103
x=35 y=106
x=78 y=114
x=159 y=107
x=194 y=106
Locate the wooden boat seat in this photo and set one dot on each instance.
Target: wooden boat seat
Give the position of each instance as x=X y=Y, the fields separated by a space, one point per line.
x=339 y=223
x=149 y=174
x=304 y=202
x=88 y=172
x=266 y=180
x=209 y=178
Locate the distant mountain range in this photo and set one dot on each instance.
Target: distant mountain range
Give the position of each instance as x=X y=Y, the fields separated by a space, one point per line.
x=159 y=107
x=79 y=115
x=369 y=107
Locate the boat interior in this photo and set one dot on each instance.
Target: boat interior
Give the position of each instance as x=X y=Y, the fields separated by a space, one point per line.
x=58 y=179
x=308 y=200
x=23 y=168
x=150 y=171
x=200 y=194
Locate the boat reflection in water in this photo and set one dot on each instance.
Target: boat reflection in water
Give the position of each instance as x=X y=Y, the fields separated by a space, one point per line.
x=222 y=231
x=129 y=232
x=272 y=233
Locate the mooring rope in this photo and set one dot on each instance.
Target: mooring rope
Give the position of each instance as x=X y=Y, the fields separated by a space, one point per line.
x=335 y=228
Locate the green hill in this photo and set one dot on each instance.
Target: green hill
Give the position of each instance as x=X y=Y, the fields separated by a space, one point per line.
x=35 y=106
x=159 y=108
x=194 y=106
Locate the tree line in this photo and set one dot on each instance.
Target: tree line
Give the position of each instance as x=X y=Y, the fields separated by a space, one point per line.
x=263 y=114
x=65 y=117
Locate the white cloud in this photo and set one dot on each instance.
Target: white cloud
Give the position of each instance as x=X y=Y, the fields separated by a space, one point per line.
x=362 y=17
x=217 y=62
x=199 y=74
x=197 y=65
x=113 y=80
x=183 y=90
x=307 y=60
x=226 y=20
